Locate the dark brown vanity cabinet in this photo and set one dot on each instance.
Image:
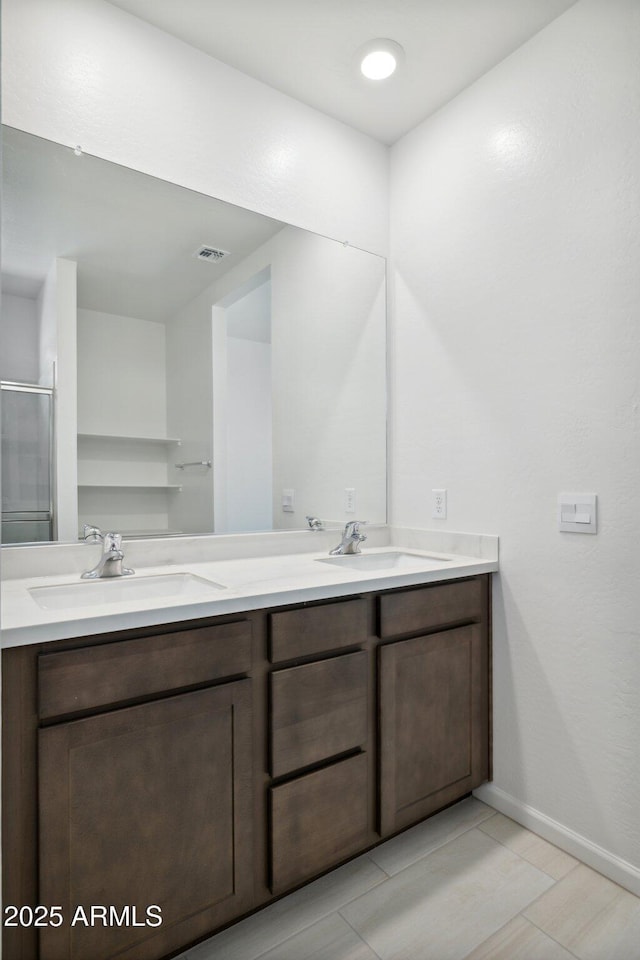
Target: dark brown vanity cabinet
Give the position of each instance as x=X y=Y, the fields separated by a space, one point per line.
x=149 y=805
x=144 y=809
x=433 y=733
x=434 y=700
x=207 y=768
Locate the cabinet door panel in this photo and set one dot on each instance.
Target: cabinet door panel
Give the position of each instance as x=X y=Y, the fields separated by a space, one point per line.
x=433 y=703
x=147 y=805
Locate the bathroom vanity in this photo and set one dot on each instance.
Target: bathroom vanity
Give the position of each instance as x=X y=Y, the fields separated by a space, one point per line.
x=208 y=765
x=182 y=745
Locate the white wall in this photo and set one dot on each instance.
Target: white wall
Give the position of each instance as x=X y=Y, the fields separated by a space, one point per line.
x=48 y=329
x=19 y=338
x=190 y=414
x=515 y=376
x=328 y=360
x=57 y=311
x=122 y=392
x=121 y=375
x=248 y=434
x=249 y=426
x=249 y=317
x=84 y=72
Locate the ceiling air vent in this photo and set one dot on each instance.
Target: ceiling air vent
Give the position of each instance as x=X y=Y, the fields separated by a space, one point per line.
x=212 y=254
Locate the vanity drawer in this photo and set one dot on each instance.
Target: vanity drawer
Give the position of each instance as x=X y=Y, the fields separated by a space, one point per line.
x=318 y=711
x=309 y=630
x=416 y=611
x=97 y=676
x=317 y=821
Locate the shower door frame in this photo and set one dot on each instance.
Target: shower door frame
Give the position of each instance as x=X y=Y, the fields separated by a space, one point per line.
x=13 y=386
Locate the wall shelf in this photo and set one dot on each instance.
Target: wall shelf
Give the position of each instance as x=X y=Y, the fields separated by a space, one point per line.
x=129 y=486
x=141 y=534
x=127 y=439
x=124 y=482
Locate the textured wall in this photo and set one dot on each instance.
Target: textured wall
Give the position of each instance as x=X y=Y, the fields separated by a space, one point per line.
x=19 y=336
x=249 y=455
x=515 y=246
x=57 y=308
x=328 y=361
x=84 y=72
x=121 y=375
x=190 y=414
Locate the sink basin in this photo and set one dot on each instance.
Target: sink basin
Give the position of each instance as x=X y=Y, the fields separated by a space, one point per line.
x=393 y=560
x=87 y=593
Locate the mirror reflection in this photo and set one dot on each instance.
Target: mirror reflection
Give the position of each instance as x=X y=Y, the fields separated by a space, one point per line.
x=173 y=364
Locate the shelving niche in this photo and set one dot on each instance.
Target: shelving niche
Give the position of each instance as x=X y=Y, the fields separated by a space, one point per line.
x=123 y=482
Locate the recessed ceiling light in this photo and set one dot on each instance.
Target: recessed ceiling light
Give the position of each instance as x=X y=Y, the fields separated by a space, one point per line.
x=380 y=58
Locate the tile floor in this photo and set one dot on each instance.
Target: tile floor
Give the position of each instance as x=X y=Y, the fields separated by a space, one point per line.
x=468 y=884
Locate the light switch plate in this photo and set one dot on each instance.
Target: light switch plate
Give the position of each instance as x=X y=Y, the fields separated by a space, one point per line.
x=288 y=501
x=577 y=513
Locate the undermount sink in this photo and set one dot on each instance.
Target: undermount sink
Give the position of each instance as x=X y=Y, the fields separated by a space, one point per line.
x=87 y=593
x=393 y=560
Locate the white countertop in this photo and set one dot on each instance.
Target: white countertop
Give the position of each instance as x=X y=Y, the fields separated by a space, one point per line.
x=249 y=583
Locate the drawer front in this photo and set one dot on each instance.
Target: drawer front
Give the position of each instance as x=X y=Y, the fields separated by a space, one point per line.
x=318 y=711
x=317 y=821
x=94 y=677
x=309 y=630
x=414 y=611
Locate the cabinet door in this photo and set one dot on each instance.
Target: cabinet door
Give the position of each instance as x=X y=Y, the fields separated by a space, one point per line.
x=148 y=805
x=433 y=723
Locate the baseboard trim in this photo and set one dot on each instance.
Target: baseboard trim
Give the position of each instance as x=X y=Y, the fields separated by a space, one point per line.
x=610 y=865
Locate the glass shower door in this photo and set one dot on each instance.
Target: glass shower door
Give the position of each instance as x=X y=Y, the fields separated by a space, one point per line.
x=27 y=515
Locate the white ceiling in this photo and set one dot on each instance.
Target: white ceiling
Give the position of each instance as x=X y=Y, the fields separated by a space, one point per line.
x=307 y=48
x=132 y=236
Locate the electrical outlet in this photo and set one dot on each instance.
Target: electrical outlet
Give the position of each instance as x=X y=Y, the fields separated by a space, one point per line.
x=439 y=504
x=349 y=500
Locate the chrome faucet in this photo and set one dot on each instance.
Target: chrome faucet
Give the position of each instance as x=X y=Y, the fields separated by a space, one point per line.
x=351 y=539
x=314 y=523
x=110 y=563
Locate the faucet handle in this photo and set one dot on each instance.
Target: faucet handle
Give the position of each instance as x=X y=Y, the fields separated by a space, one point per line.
x=352 y=529
x=110 y=563
x=91 y=534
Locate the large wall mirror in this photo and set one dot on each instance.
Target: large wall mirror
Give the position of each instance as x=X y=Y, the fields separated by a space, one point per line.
x=173 y=364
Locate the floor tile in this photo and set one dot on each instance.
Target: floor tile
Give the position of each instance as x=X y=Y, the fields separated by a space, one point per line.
x=330 y=939
x=258 y=934
x=397 y=854
x=533 y=848
x=591 y=916
x=520 y=940
x=447 y=903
